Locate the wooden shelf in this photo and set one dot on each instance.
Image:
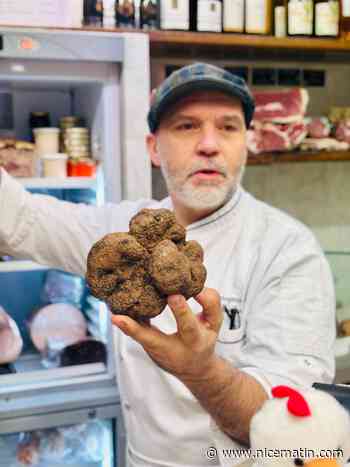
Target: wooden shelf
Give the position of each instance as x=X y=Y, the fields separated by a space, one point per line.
x=247 y=40
x=166 y=39
x=298 y=156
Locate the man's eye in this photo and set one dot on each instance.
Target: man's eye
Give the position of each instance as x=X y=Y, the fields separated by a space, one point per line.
x=230 y=128
x=185 y=126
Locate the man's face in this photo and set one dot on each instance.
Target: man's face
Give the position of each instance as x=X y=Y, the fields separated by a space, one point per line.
x=200 y=147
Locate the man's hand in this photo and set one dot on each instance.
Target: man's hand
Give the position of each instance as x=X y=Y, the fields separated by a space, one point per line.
x=189 y=352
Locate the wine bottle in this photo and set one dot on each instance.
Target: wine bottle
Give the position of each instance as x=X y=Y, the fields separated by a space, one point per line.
x=233 y=16
x=258 y=16
x=175 y=15
x=300 y=18
x=345 y=18
x=149 y=14
x=125 y=10
x=280 y=18
x=209 y=15
x=326 y=14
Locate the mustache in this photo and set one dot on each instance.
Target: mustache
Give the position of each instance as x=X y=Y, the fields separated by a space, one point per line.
x=208 y=165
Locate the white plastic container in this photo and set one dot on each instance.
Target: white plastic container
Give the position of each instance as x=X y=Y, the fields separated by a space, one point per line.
x=54 y=165
x=46 y=141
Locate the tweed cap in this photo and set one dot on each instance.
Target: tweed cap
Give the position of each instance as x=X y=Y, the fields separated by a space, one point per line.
x=198 y=77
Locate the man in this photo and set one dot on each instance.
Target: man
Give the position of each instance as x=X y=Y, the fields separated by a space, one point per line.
x=194 y=377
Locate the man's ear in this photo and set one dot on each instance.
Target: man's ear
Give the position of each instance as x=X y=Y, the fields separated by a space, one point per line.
x=151 y=141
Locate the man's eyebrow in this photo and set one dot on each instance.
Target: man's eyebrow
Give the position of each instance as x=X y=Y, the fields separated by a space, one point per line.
x=182 y=116
x=232 y=118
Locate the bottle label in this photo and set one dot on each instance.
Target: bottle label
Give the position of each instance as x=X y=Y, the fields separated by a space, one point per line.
x=280 y=21
x=327 y=18
x=300 y=17
x=345 y=8
x=175 y=14
x=209 y=15
x=256 y=16
x=233 y=16
x=126 y=13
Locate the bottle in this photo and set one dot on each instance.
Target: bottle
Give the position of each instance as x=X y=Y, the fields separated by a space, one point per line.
x=300 y=18
x=175 y=14
x=345 y=18
x=109 y=13
x=125 y=10
x=93 y=12
x=233 y=16
x=280 y=18
x=258 y=16
x=149 y=14
x=209 y=15
x=326 y=16
x=38 y=120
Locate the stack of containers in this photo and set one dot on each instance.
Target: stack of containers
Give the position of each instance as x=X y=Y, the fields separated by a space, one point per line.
x=76 y=143
x=50 y=163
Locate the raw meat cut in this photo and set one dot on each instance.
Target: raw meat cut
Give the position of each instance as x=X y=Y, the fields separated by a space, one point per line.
x=271 y=137
x=10 y=338
x=318 y=127
x=282 y=106
x=342 y=131
x=59 y=322
x=326 y=144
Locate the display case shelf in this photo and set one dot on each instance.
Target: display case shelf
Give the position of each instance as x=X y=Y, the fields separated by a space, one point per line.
x=58 y=183
x=18 y=266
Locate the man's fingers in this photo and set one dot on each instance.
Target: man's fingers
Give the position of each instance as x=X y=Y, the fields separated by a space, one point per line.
x=212 y=312
x=187 y=324
x=144 y=333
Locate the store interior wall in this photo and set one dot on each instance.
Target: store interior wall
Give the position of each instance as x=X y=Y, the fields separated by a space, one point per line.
x=316 y=193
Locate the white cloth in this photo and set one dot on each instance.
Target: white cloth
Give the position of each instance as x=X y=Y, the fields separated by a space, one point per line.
x=274 y=282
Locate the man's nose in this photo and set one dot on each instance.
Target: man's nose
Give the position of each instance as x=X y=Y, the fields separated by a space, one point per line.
x=208 y=144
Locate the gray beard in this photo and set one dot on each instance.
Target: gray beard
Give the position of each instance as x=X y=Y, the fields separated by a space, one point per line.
x=205 y=196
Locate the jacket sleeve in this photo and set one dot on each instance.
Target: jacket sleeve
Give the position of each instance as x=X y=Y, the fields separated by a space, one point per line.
x=52 y=232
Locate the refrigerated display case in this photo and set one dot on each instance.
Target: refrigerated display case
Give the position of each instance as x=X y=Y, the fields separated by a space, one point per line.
x=103 y=78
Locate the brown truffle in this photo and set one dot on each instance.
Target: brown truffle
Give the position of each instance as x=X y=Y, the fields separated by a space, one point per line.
x=134 y=272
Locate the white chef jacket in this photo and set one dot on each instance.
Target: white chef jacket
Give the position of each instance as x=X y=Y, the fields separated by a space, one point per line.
x=276 y=291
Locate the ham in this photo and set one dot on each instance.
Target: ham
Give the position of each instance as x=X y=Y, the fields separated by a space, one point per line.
x=57 y=323
x=318 y=127
x=281 y=106
x=11 y=342
x=342 y=131
x=271 y=137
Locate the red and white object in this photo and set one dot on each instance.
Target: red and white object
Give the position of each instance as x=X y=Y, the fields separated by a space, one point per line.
x=271 y=137
x=282 y=106
x=318 y=127
x=59 y=322
x=305 y=423
x=11 y=342
x=342 y=131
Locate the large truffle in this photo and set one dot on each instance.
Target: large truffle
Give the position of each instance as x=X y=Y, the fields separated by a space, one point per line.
x=134 y=272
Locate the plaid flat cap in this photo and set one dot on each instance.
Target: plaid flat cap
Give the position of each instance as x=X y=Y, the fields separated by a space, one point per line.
x=198 y=77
